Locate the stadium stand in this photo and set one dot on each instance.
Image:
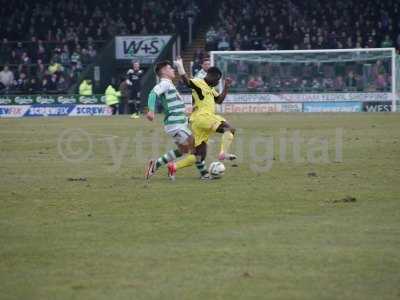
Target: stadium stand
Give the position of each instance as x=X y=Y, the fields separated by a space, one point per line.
x=294 y=24
x=297 y=25
x=46 y=45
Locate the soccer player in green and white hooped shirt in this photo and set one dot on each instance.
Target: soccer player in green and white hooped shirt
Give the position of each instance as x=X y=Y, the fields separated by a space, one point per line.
x=175 y=121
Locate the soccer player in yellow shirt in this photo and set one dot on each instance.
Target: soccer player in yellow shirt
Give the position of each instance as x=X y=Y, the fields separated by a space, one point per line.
x=204 y=121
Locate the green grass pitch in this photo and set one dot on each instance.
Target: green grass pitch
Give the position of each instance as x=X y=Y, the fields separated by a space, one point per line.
x=78 y=221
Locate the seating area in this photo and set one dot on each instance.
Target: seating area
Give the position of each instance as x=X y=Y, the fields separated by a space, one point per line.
x=295 y=24
x=311 y=77
x=45 y=45
x=305 y=25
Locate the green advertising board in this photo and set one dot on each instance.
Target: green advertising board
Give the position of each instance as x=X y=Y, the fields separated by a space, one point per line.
x=50 y=99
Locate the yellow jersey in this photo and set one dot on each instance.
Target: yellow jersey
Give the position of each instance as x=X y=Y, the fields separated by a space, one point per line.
x=203 y=97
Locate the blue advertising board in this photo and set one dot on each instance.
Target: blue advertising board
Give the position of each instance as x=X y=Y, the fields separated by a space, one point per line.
x=53 y=110
x=337 y=106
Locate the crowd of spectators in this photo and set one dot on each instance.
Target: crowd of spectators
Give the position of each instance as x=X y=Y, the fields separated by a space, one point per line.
x=43 y=67
x=310 y=77
x=45 y=44
x=296 y=24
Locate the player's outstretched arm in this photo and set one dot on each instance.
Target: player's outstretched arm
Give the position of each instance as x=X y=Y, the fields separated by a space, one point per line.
x=157 y=91
x=221 y=97
x=151 y=104
x=181 y=71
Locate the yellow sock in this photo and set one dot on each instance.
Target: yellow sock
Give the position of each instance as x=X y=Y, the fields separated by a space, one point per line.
x=226 y=141
x=188 y=161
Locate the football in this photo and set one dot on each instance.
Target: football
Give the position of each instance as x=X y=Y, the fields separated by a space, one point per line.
x=216 y=169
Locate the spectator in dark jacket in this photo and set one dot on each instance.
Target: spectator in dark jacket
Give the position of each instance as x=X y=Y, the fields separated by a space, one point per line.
x=33 y=86
x=22 y=83
x=45 y=85
x=53 y=83
x=62 y=84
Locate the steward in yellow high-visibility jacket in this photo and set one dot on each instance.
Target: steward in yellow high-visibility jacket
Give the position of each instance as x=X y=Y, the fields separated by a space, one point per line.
x=112 y=98
x=86 y=88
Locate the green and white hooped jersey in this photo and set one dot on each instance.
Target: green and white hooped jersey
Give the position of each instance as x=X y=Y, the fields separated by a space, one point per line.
x=201 y=74
x=173 y=105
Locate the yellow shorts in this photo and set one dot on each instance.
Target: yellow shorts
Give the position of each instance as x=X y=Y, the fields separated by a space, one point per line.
x=203 y=126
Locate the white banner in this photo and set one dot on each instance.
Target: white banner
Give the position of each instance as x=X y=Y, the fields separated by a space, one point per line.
x=260 y=107
x=323 y=97
x=145 y=48
x=254 y=107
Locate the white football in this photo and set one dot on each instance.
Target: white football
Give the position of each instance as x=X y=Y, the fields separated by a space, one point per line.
x=216 y=169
